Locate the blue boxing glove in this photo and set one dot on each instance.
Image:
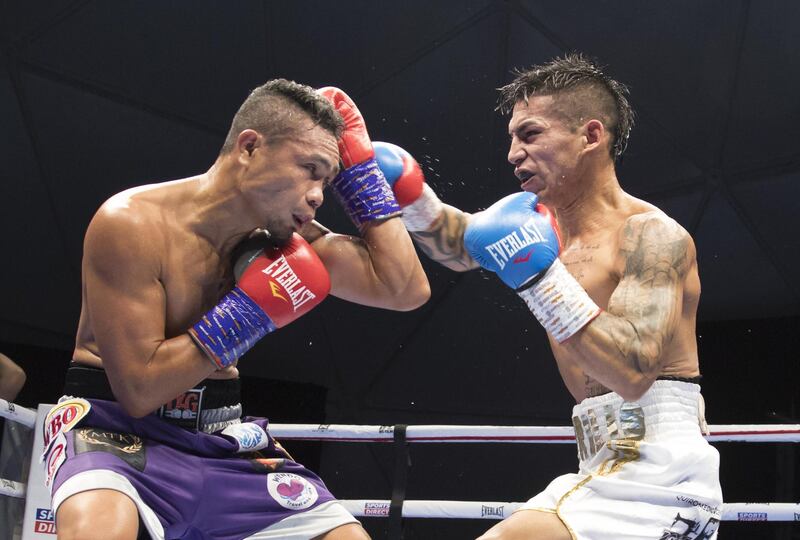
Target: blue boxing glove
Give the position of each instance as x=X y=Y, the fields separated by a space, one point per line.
x=401 y=170
x=421 y=207
x=515 y=237
x=518 y=239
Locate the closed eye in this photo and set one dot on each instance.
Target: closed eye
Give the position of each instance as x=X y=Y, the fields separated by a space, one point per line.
x=313 y=170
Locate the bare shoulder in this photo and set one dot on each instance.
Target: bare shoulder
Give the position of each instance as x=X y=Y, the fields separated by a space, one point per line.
x=124 y=229
x=651 y=237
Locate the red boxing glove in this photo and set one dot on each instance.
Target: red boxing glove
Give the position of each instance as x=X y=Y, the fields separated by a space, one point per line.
x=286 y=282
x=277 y=286
x=355 y=145
x=361 y=187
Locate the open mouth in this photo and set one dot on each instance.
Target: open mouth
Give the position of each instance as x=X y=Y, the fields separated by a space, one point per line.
x=526 y=180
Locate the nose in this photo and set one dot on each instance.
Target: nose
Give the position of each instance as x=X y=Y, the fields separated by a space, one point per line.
x=314 y=197
x=515 y=153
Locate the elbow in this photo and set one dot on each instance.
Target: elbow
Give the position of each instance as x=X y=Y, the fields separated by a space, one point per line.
x=18 y=379
x=636 y=387
x=134 y=408
x=133 y=402
x=414 y=296
x=11 y=384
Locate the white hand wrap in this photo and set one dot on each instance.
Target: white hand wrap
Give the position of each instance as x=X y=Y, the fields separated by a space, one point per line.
x=419 y=215
x=559 y=302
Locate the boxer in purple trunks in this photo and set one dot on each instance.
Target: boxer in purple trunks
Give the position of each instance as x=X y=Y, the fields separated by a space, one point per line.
x=180 y=279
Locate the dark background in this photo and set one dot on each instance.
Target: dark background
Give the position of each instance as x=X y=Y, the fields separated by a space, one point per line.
x=99 y=96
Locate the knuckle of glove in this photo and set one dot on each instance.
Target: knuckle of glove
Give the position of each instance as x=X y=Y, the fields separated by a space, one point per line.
x=287 y=282
x=512 y=239
x=401 y=170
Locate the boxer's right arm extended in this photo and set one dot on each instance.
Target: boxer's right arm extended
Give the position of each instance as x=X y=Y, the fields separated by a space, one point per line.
x=437 y=228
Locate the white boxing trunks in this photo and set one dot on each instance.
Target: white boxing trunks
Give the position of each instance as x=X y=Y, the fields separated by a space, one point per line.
x=646 y=472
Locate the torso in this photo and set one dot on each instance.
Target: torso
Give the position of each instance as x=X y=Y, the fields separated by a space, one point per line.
x=193 y=275
x=596 y=262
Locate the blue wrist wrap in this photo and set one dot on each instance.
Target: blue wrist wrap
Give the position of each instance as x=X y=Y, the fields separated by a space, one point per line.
x=365 y=194
x=231 y=328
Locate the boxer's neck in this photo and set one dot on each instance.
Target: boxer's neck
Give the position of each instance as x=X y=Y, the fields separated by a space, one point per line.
x=596 y=200
x=218 y=214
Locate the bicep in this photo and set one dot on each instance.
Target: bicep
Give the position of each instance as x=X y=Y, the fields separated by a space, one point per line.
x=348 y=262
x=657 y=254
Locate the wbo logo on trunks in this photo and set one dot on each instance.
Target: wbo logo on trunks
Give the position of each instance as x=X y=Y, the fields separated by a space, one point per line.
x=291 y=491
x=56 y=458
x=61 y=419
x=250 y=436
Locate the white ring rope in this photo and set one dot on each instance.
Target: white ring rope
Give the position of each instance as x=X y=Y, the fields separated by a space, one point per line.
x=508 y=434
x=465 y=434
x=9 y=488
x=501 y=510
x=16 y=413
x=480 y=434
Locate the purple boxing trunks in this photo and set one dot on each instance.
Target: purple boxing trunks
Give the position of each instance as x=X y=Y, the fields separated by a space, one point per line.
x=235 y=483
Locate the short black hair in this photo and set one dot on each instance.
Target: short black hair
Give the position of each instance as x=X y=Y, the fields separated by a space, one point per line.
x=276 y=109
x=581 y=89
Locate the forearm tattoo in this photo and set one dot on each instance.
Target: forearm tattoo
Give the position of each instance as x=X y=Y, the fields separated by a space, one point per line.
x=444 y=242
x=594 y=388
x=646 y=302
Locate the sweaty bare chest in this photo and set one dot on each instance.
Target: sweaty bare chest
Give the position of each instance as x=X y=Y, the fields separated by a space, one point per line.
x=595 y=266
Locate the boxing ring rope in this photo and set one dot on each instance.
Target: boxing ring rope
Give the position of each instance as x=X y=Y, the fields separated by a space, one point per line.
x=517 y=434
x=15 y=413
x=506 y=434
x=475 y=434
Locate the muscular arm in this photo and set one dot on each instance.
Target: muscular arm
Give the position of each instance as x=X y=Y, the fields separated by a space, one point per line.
x=126 y=303
x=623 y=348
x=379 y=270
x=444 y=240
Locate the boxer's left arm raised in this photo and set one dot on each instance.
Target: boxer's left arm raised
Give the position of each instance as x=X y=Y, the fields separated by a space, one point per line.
x=381 y=268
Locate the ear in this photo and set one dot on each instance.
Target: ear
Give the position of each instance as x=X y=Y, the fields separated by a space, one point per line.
x=594 y=132
x=247 y=141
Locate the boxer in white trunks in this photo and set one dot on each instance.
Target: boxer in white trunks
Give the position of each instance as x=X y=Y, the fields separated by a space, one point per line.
x=614 y=282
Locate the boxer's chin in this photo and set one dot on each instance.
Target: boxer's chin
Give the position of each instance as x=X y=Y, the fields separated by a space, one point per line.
x=279 y=235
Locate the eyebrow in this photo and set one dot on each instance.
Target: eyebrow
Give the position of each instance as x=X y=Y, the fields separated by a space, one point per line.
x=332 y=167
x=526 y=123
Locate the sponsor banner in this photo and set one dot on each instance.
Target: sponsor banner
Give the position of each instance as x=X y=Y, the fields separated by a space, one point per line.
x=377 y=508
x=45 y=521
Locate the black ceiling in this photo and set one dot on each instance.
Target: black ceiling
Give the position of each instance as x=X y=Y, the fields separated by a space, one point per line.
x=99 y=96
